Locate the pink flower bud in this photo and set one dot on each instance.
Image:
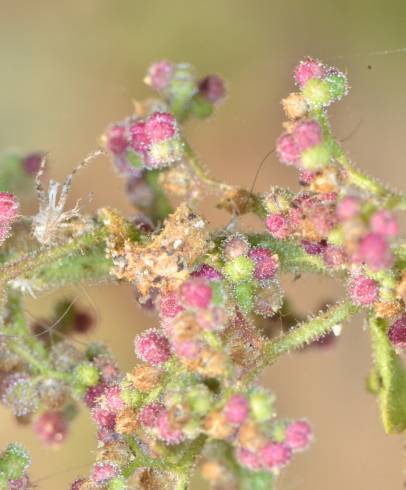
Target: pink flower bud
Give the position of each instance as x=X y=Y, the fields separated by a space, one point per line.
x=117 y=141
x=236 y=410
x=287 y=149
x=307 y=134
x=105 y=419
x=348 y=208
x=207 y=272
x=313 y=248
x=187 y=349
x=93 y=395
x=8 y=207
x=112 y=400
x=149 y=414
x=152 y=347
x=334 y=256
x=307 y=69
x=196 y=293
x=103 y=472
x=374 y=251
x=32 y=163
x=298 y=435
x=160 y=74
x=385 y=223
x=278 y=226
x=275 y=455
x=266 y=263
x=51 y=428
x=167 y=433
x=235 y=246
x=363 y=290
x=306 y=177
x=139 y=138
x=170 y=305
x=161 y=126
x=248 y=459
x=212 y=88
x=397 y=332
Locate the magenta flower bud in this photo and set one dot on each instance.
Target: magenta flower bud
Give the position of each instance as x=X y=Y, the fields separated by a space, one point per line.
x=212 y=88
x=51 y=428
x=266 y=263
x=187 y=349
x=160 y=75
x=397 y=332
x=148 y=415
x=93 y=395
x=275 y=455
x=374 y=251
x=112 y=399
x=287 y=149
x=236 y=410
x=298 y=435
x=207 y=272
x=306 y=177
x=166 y=432
x=161 y=126
x=32 y=163
x=313 y=248
x=103 y=472
x=139 y=138
x=334 y=256
x=170 y=305
x=385 y=223
x=277 y=225
x=104 y=418
x=152 y=347
x=22 y=483
x=363 y=290
x=196 y=293
x=307 y=69
x=117 y=141
x=307 y=134
x=348 y=208
x=8 y=207
x=248 y=459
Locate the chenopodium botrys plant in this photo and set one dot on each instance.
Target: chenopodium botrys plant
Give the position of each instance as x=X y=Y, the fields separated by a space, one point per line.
x=193 y=398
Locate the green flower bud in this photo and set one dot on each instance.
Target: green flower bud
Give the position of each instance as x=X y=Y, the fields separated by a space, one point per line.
x=14 y=461
x=244 y=295
x=239 y=269
x=219 y=295
x=337 y=84
x=316 y=157
x=130 y=395
x=261 y=406
x=199 y=399
x=317 y=93
x=86 y=374
x=118 y=483
x=201 y=107
x=336 y=236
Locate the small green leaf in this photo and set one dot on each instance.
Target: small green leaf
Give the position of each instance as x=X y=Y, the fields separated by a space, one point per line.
x=392 y=376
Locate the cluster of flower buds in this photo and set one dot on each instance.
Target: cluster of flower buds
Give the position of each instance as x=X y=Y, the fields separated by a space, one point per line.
x=183 y=91
x=8 y=213
x=147 y=143
x=14 y=463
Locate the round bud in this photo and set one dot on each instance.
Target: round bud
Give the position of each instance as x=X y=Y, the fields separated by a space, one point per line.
x=384 y=223
x=261 y=406
x=298 y=435
x=348 y=208
x=397 y=332
x=86 y=374
x=51 y=428
x=308 y=69
x=295 y=106
x=363 y=290
x=196 y=293
x=337 y=84
x=239 y=269
x=317 y=93
x=266 y=263
x=244 y=296
x=14 y=461
x=307 y=134
x=275 y=455
x=316 y=157
x=236 y=410
x=235 y=246
x=374 y=251
x=212 y=88
x=103 y=472
x=278 y=225
x=287 y=149
x=152 y=347
x=159 y=75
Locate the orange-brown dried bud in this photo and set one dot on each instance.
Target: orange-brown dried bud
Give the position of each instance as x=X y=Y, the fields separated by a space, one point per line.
x=145 y=378
x=116 y=452
x=294 y=105
x=151 y=479
x=179 y=181
x=401 y=288
x=388 y=309
x=353 y=231
x=179 y=416
x=217 y=426
x=251 y=437
x=126 y=421
x=325 y=181
x=209 y=363
x=238 y=201
x=185 y=327
x=214 y=472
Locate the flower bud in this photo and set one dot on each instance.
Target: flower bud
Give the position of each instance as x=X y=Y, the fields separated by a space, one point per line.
x=152 y=347
x=212 y=88
x=266 y=263
x=275 y=455
x=348 y=208
x=298 y=435
x=236 y=410
x=244 y=295
x=261 y=406
x=14 y=461
x=308 y=69
x=375 y=252
x=397 y=332
x=278 y=225
x=317 y=93
x=51 y=428
x=235 y=246
x=384 y=223
x=86 y=374
x=316 y=157
x=363 y=290
x=239 y=269
x=159 y=75
x=287 y=149
x=295 y=106
x=103 y=472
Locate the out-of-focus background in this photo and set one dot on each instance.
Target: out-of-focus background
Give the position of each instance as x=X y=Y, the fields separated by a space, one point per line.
x=67 y=69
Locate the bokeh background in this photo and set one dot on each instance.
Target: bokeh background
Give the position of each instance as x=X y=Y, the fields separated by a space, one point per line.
x=68 y=68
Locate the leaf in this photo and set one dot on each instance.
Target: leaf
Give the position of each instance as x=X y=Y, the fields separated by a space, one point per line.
x=392 y=377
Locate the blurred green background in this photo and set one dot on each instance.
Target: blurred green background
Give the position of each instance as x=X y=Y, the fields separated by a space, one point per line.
x=68 y=68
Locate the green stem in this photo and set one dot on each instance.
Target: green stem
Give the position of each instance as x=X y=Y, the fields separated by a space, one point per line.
x=303 y=334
